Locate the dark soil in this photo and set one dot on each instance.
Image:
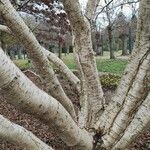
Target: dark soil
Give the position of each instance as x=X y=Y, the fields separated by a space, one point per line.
x=41 y=130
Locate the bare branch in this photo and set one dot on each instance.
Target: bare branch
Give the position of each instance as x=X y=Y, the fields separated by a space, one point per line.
x=121 y=4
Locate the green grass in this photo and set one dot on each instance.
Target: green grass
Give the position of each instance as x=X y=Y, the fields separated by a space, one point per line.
x=23 y=64
x=104 y=64
x=69 y=61
x=116 y=66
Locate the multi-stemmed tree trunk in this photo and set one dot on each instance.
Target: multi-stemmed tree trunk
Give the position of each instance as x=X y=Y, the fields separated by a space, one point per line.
x=98 y=126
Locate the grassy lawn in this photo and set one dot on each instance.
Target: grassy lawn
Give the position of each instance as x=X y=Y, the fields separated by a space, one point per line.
x=116 y=66
x=104 y=64
x=23 y=64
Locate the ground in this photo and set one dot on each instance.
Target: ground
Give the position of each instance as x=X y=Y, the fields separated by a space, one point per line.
x=104 y=64
x=41 y=130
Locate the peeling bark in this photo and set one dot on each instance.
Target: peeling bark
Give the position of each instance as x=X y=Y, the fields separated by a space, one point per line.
x=91 y=9
x=135 y=95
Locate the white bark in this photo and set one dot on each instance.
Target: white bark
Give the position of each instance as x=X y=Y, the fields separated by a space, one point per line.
x=141 y=45
x=138 y=124
x=22 y=93
x=20 y=136
x=137 y=93
x=35 y=52
x=91 y=93
x=133 y=89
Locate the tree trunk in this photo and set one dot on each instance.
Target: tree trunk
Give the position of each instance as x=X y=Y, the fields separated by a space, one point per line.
x=22 y=93
x=112 y=56
x=18 y=135
x=91 y=98
x=35 y=52
x=133 y=90
x=124 y=46
x=140 y=123
x=117 y=124
x=130 y=43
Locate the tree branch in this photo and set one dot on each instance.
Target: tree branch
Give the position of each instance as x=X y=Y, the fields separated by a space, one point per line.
x=16 y=134
x=35 y=52
x=126 y=3
x=56 y=61
x=23 y=94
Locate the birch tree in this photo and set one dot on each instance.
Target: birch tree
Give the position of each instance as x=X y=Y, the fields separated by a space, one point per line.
x=112 y=126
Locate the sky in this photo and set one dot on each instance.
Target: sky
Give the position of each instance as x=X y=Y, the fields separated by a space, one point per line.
x=127 y=10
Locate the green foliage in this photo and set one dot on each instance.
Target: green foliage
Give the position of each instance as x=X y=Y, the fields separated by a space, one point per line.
x=104 y=64
x=116 y=66
x=110 y=80
x=69 y=61
x=23 y=64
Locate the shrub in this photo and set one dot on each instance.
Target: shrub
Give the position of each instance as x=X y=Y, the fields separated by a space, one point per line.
x=110 y=80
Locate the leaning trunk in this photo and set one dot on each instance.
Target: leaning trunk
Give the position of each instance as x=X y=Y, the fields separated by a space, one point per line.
x=23 y=94
x=36 y=52
x=121 y=114
x=20 y=136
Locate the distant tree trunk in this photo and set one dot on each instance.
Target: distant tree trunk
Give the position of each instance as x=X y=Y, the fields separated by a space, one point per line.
x=60 y=51
x=130 y=41
x=19 y=53
x=12 y=54
x=124 y=46
x=109 y=29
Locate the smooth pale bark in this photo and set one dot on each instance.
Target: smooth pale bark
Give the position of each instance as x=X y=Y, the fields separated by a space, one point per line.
x=137 y=93
x=140 y=122
x=18 y=135
x=91 y=93
x=133 y=88
x=35 y=52
x=23 y=94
